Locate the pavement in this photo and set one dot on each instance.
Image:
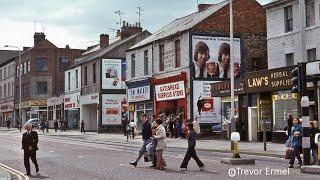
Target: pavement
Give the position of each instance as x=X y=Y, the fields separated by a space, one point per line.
x=4 y=175
x=248 y=148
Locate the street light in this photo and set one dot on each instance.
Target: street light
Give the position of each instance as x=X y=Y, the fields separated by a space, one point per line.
x=20 y=116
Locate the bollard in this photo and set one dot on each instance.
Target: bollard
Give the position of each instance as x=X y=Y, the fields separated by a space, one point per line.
x=235 y=138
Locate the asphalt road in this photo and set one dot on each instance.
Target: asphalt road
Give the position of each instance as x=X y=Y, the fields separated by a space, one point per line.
x=65 y=158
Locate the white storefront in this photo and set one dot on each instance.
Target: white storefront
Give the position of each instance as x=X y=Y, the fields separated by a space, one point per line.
x=55 y=109
x=89 y=111
x=71 y=108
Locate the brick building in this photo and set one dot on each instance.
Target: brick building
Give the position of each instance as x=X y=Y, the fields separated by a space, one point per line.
x=42 y=75
x=176 y=81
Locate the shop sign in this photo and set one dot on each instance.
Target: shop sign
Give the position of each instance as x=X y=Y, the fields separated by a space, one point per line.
x=285 y=96
x=6 y=107
x=139 y=94
x=111 y=108
x=206 y=109
x=220 y=89
x=90 y=99
x=55 y=101
x=26 y=104
x=313 y=68
x=268 y=80
x=170 y=91
x=72 y=101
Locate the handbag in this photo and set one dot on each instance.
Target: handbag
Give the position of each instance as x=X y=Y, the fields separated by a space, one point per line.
x=288 y=154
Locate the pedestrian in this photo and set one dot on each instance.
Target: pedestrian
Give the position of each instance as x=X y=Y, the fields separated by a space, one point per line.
x=8 y=124
x=47 y=126
x=161 y=144
x=151 y=147
x=289 y=125
x=132 y=126
x=55 y=125
x=146 y=135
x=296 y=142
x=171 y=127
x=61 y=125
x=17 y=124
x=191 y=152
x=20 y=125
x=124 y=124
x=30 y=146
x=313 y=146
x=42 y=125
x=82 y=127
x=196 y=126
x=179 y=127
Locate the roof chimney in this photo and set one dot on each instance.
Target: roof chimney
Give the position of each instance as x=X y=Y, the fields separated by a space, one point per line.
x=104 y=40
x=202 y=7
x=38 y=37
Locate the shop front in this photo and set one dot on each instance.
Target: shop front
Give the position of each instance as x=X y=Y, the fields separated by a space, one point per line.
x=33 y=109
x=71 y=110
x=7 y=113
x=55 y=109
x=170 y=95
x=139 y=98
x=89 y=111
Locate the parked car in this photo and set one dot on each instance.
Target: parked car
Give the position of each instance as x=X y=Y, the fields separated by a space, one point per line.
x=35 y=122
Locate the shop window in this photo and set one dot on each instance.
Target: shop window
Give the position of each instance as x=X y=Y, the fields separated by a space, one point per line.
x=288 y=18
x=42 y=87
x=146 y=63
x=161 y=57
x=310 y=13
x=311 y=54
x=41 y=64
x=289 y=59
x=177 y=53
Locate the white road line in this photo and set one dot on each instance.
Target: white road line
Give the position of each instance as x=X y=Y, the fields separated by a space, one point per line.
x=19 y=174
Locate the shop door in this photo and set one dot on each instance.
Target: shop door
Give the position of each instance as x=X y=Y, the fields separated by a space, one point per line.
x=252 y=123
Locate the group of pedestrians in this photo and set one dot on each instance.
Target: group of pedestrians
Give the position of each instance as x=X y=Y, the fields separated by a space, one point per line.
x=155 y=142
x=294 y=141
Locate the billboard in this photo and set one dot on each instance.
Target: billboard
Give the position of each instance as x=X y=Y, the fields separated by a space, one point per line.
x=111 y=73
x=206 y=109
x=211 y=57
x=112 y=108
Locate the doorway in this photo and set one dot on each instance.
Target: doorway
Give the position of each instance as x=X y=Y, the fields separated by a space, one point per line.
x=252 y=123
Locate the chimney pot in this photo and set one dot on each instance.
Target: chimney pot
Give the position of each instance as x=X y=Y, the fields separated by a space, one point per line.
x=202 y=7
x=38 y=37
x=104 y=40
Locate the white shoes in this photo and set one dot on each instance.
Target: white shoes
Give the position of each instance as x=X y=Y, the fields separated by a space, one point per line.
x=201 y=168
x=183 y=169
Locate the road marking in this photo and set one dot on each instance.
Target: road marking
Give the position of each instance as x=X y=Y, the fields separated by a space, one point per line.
x=19 y=174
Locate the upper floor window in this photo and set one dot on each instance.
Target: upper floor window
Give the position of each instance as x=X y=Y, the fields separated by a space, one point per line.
x=146 y=61
x=25 y=68
x=5 y=75
x=289 y=59
x=0 y=73
x=311 y=54
x=69 y=77
x=41 y=64
x=77 y=79
x=177 y=53
x=9 y=89
x=161 y=57
x=133 y=65
x=94 y=73
x=310 y=13
x=42 y=87
x=85 y=75
x=5 y=90
x=28 y=66
x=64 y=63
x=288 y=18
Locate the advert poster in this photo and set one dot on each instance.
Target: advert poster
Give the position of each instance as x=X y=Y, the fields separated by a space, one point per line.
x=111 y=73
x=211 y=57
x=206 y=109
x=170 y=91
x=112 y=108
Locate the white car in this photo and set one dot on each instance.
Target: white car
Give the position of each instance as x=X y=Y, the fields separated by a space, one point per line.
x=35 y=122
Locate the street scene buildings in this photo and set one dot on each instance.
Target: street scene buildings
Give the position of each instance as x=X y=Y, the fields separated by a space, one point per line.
x=181 y=73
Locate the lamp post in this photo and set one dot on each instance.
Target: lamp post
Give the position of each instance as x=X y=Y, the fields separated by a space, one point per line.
x=20 y=116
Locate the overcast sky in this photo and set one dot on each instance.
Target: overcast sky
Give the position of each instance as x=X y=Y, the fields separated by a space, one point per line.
x=79 y=23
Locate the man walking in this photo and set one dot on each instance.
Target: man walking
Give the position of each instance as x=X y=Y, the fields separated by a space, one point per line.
x=146 y=135
x=82 y=127
x=30 y=146
x=55 y=125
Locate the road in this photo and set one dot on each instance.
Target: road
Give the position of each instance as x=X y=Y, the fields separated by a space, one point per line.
x=68 y=158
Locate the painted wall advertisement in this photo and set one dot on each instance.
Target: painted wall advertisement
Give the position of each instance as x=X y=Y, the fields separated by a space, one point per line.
x=206 y=109
x=170 y=91
x=211 y=57
x=112 y=108
x=139 y=94
x=111 y=73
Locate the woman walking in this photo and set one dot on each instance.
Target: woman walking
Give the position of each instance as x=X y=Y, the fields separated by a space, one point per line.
x=161 y=144
x=296 y=142
x=191 y=152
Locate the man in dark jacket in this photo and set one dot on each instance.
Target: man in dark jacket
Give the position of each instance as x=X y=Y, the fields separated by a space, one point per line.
x=146 y=135
x=30 y=146
x=191 y=152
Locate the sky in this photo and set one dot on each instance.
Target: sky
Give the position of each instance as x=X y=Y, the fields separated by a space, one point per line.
x=78 y=23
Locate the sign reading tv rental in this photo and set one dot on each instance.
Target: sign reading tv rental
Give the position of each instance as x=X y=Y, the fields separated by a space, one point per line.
x=170 y=91
x=269 y=80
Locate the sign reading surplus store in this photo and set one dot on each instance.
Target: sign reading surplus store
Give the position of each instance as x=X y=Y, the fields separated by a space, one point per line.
x=210 y=57
x=111 y=108
x=170 y=91
x=139 y=94
x=269 y=80
x=206 y=109
x=111 y=74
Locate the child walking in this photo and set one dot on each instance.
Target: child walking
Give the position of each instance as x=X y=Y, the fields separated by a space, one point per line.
x=191 y=152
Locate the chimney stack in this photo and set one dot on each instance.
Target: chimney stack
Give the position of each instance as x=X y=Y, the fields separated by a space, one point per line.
x=104 y=40
x=38 y=37
x=202 y=7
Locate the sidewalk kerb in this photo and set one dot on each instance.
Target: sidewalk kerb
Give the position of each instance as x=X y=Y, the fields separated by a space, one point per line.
x=19 y=174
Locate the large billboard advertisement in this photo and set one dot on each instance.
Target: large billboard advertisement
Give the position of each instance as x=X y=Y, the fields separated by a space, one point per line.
x=206 y=109
x=211 y=57
x=112 y=108
x=111 y=73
